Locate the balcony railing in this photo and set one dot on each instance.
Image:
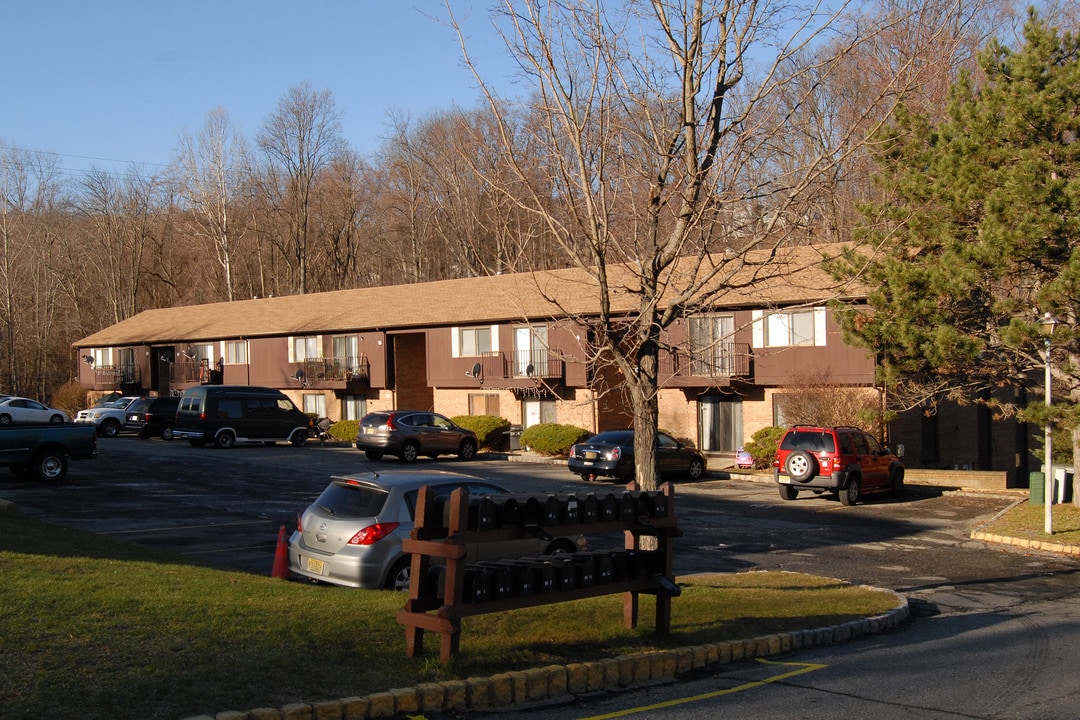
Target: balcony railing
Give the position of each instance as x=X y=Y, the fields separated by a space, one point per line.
x=117 y=375
x=522 y=364
x=337 y=369
x=726 y=360
x=537 y=364
x=193 y=371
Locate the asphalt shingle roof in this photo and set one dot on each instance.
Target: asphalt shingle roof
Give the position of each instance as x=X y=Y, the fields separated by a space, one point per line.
x=797 y=278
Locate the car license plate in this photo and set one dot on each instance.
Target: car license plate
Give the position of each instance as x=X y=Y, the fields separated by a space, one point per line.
x=133 y=418
x=369 y=431
x=590 y=455
x=315 y=566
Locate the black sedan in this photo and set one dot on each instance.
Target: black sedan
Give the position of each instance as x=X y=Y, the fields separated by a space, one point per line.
x=611 y=454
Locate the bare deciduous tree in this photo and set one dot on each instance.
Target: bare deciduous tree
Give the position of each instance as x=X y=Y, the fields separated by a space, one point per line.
x=813 y=397
x=667 y=176
x=301 y=138
x=210 y=171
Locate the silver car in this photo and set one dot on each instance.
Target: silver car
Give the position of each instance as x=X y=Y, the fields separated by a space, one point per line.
x=351 y=535
x=411 y=433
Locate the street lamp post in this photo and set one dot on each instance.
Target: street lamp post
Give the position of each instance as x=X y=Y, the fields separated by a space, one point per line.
x=1047 y=325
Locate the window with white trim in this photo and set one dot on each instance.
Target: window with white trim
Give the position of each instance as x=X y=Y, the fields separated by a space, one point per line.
x=474 y=342
x=802 y=327
x=304 y=348
x=315 y=404
x=236 y=352
x=353 y=407
x=102 y=356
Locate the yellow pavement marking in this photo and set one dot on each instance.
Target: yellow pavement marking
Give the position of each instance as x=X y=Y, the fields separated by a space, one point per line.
x=803 y=669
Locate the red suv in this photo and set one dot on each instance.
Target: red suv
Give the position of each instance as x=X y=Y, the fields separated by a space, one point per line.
x=844 y=460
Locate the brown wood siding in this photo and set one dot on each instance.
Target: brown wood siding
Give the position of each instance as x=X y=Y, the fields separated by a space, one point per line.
x=843 y=364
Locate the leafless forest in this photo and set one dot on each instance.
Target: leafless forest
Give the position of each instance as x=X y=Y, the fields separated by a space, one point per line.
x=294 y=209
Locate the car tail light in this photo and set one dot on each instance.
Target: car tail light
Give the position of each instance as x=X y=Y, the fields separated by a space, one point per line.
x=390 y=426
x=573 y=451
x=616 y=453
x=300 y=522
x=373 y=533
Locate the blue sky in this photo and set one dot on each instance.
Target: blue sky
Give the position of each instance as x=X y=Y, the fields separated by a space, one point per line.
x=114 y=82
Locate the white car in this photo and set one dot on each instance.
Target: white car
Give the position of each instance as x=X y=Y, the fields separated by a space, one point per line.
x=109 y=417
x=25 y=410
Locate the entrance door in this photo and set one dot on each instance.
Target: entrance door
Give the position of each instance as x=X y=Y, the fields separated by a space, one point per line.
x=720 y=424
x=537 y=411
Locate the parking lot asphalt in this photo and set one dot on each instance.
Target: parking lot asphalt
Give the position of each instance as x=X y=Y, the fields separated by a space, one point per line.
x=225 y=509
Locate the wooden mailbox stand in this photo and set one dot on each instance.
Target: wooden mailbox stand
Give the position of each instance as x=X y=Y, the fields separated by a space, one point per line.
x=444 y=532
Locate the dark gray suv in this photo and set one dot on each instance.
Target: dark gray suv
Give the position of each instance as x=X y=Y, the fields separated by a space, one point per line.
x=408 y=434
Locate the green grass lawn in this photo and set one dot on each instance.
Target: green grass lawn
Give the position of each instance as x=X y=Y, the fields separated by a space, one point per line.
x=1027 y=521
x=94 y=629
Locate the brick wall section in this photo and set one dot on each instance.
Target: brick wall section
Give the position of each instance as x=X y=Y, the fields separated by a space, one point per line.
x=678 y=416
x=576 y=410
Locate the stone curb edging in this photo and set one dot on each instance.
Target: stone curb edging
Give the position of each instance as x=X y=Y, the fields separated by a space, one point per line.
x=559 y=683
x=1043 y=545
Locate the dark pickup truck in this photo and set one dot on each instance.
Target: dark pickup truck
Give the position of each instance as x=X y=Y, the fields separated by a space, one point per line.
x=43 y=451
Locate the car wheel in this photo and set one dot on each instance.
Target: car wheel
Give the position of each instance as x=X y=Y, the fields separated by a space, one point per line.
x=56 y=419
x=696 y=469
x=5 y=419
x=166 y=432
x=225 y=440
x=299 y=438
x=897 y=484
x=562 y=546
x=467 y=451
x=400 y=574
x=409 y=452
x=50 y=465
x=852 y=493
x=788 y=492
x=373 y=454
x=110 y=428
x=801 y=466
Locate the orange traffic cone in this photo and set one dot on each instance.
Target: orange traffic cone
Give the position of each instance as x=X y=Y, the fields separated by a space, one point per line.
x=281 y=557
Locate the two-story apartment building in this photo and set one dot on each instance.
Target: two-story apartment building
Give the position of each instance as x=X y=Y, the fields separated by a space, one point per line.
x=502 y=345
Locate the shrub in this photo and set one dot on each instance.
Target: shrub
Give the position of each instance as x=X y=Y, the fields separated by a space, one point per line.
x=491 y=430
x=69 y=397
x=552 y=438
x=345 y=430
x=763 y=444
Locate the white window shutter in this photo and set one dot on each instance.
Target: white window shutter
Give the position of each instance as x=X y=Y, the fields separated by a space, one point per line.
x=758 y=328
x=819 y=326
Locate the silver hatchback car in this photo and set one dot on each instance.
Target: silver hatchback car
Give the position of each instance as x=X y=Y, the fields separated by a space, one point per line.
x=351 y=535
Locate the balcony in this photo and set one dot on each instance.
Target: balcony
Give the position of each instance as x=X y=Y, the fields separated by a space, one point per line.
x=117 y=376
x=189 y=372
x=522 y=365
x=338 y=369
x=726 y=361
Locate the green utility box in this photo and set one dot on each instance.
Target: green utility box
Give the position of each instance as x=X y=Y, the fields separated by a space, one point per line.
x=1037 y=488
